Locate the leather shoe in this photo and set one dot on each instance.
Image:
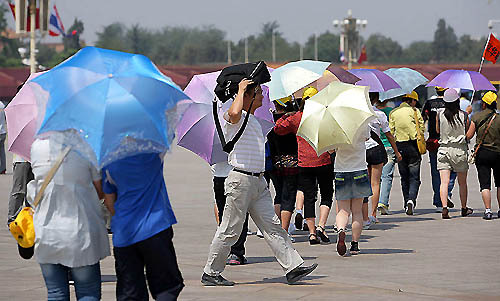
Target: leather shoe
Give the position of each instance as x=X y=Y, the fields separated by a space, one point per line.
x=208 y=280
x=299 y=272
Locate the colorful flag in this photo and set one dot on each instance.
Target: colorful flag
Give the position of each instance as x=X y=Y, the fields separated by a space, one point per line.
x=28 y=25
x=341 y=48
x=362 y=56
x=56 y=26
x=492 y=50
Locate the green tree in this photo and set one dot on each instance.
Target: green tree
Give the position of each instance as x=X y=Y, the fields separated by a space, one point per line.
x=381 y=49
x=139 y=40
x=72 y=39
x=9 y=56
x=470 y=50
x=328 y=47
x=445 y=43
x=417 y=52
x=112 y=37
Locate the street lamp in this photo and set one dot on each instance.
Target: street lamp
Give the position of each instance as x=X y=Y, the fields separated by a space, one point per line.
x=349 y=36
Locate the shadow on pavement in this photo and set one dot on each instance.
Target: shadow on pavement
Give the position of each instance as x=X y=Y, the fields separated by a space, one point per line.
x=251 y=260
x=385 y=251
x=108 y=278
x=282 y=279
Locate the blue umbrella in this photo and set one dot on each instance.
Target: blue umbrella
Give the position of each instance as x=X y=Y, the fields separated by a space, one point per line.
x=407 y=78
x=119 y=103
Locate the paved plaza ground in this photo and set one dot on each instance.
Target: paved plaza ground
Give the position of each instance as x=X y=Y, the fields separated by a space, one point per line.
x=418 y=257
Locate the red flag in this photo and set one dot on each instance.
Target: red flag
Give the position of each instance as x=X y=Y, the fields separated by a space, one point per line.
x=28 y=25
x=362 y=56
x=492 y=50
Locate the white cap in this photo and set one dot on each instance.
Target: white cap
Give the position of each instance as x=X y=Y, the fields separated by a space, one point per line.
x=450 y=95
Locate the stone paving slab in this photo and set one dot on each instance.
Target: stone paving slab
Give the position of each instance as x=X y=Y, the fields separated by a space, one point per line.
x=403 y=258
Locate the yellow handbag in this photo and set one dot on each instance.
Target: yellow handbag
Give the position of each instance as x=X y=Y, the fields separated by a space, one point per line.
x=422 y=149
x=22 y=228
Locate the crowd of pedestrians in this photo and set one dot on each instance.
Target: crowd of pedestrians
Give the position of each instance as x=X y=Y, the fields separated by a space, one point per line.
x=72 y=233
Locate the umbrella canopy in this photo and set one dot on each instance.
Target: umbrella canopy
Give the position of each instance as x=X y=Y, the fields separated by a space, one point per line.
x=468 y=80
x=21 y=115
x=343 y=75
x=119 y=103
x=196 y=130
x=336 y=115
x=293 y=76
x=377 y=80
x=408 y=79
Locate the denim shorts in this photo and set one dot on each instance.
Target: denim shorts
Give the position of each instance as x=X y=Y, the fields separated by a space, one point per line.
x=352 y=185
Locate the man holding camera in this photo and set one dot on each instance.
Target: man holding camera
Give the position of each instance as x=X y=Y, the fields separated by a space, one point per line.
x=247 y=191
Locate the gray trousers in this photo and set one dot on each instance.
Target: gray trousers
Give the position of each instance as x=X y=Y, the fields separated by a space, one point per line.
x=3 y=166
x=250 y=194
x=22 y=174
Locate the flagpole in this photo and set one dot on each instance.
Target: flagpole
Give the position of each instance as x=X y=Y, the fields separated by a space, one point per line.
x=481 y=65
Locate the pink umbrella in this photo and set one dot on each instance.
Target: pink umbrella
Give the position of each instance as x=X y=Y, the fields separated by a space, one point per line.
x=21 y=115
x=196 y=130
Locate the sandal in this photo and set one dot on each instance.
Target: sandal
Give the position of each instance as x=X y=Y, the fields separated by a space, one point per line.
x=313 y=241
x=321 y=233
x=467 y=211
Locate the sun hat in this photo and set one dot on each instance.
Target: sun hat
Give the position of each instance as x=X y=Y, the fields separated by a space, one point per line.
x=412 y=95
x=450 y=95
x=489 y=97
x=282 y=101
x=309 y=92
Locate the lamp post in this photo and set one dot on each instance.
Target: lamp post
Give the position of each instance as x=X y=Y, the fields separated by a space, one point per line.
x=349 y=36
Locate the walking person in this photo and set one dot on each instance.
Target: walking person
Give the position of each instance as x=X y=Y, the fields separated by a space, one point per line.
x=313 y=170
x=142 y=220
x=352 y=185
x=430 y=110
x=486 y=126
x=403 y=122
x=71 y=236
x=388 y=169
x=247 y=191
x=376 y=157
x=285 y=162
x=220 y=173
x=452 y=125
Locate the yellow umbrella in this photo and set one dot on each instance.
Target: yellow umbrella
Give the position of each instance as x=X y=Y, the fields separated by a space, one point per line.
x=337 y=115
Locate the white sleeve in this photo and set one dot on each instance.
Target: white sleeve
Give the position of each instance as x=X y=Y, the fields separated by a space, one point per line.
x=384 y=123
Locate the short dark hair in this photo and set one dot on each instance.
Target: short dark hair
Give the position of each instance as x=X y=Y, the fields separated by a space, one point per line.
x=491 y=106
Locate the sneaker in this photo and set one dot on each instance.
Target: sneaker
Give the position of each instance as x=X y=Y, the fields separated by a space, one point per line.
x=299 y=219
x=208 y=280
x=366 y=225
x=291 y=228
x=234 y=259
x=291 y=238
x=299 y=273
x=383 y=209
x=439 y=209
x=488 y=216
x=250 y=232
x=336 y=230
x=409 y=207
x=259 y=234
x=341 y=248
x=445 y=214
x=450 y=203
x=354 y=248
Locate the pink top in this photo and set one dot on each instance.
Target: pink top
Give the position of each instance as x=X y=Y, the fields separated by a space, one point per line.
x=307 y=155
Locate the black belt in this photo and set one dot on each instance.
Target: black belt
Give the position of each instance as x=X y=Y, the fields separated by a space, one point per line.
x=255 y=174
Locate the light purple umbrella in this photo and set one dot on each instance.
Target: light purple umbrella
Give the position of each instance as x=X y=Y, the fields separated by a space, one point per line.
x=377 y=80
x=196 y=130
x=468 y=80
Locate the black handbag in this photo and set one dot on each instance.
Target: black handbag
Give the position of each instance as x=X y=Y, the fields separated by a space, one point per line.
x=227 y=88
x=230 y=77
